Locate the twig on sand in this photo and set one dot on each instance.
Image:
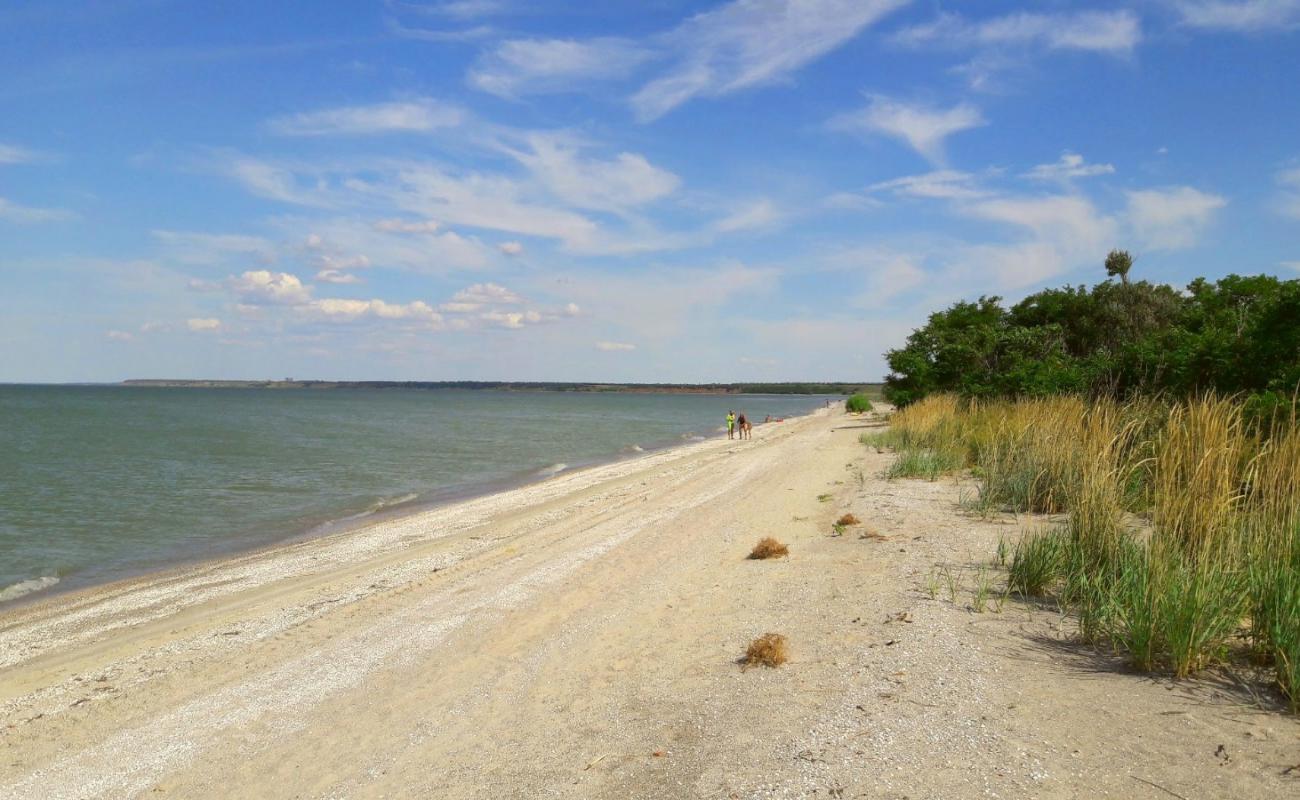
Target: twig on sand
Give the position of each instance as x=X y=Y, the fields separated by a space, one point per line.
x=596 y=761
x=1158 y=786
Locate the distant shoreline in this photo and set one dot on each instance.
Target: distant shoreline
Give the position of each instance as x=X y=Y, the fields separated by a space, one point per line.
x=526 y=386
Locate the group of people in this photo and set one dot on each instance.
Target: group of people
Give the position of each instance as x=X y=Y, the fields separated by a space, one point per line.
x=739 y=425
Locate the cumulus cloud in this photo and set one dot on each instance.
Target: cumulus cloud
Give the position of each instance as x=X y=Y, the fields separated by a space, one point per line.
x=530 y=66
x=473 y=298
x=203 y=324
x=335 y=309
x=749 y=43
x=615 y=347
x=415 y=116
x=1101 y=31
x=1171 y=218
x=511 y=248
x=1070 y=166
x=922 y=127
x=261 y=286
x=1240 y=16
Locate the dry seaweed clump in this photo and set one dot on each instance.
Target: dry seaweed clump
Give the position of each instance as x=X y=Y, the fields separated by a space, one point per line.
x=848 y=519
x=769 y=650
x=768 y=548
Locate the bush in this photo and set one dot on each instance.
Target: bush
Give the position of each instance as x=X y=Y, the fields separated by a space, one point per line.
x=768 y=547
x=858 y=403
x=769 y=650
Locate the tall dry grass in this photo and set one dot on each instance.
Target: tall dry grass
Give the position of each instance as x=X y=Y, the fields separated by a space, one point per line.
x=1183 y=527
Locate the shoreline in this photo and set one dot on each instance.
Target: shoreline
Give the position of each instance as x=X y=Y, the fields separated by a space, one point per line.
x=340 y=528
x=579 y=638
x=429 y=500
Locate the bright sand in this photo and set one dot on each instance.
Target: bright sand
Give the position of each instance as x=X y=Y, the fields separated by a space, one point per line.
x=579 y=637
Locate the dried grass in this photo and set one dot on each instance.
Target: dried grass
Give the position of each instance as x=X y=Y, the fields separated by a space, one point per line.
x=848 y=519
x=768 y=547
x=768 y=650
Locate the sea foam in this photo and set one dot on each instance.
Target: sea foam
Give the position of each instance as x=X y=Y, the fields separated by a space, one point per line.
x=27 y=587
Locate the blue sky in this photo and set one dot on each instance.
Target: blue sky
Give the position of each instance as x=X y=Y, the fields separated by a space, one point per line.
x=645 y=191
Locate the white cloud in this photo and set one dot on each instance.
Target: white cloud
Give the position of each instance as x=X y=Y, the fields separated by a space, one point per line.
x=274 y=182
x=1171 y=218
x=336 y=276
x=1068 y=221
x=334 y=309
x=486 y=294
x=13 y=154
x=200 y=325
x=625 y=181
x=27 y=215
x=923 y=128
x=615 y=347
x=511 y=248
x=265 y=287
x=213 y=248
x=1070 y=166
x=1288 y=202
x=468 y=9
x=748 y=43
x=1101 y=31
x=120 y=336
x=757 y=215
x=530 y=66
x=415 y=116
x=350 y=243
x=572 y=310
x=943 y=184
x=1295 y=265
x=1241 y=16
x=407 y=226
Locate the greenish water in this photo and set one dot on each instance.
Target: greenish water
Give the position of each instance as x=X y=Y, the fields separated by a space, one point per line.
x=97 y=483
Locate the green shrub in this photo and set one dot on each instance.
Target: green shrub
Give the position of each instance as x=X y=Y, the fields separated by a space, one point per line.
x=858 y=404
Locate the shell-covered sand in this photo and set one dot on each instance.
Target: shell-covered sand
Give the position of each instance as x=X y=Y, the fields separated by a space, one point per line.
x=581 y=637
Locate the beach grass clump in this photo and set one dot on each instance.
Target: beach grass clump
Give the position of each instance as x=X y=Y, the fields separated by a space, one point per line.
x=768 y=650
x=847 y=520
x=768 y=547
x=1182 y=529
x=922 y=463
x=858 y=404
x=1037 y=562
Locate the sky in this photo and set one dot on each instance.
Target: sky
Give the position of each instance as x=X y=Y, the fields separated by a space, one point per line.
x=654 y=191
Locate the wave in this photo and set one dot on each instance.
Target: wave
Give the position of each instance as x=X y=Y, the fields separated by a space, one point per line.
x=27 y=587
x=632 y=448
x=385 y=502
x=553 y=469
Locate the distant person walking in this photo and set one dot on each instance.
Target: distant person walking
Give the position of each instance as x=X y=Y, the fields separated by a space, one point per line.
x=731 y=424
x=746 y=429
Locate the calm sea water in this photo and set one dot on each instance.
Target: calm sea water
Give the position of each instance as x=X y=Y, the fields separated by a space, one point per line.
x=97 y=483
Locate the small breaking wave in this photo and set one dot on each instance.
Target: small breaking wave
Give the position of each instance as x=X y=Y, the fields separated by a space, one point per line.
x=553 y=469
x=385 y=502
x=23 y=588
x=632 y=448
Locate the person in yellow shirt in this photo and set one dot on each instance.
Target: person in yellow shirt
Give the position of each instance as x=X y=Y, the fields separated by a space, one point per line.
x=731 y=424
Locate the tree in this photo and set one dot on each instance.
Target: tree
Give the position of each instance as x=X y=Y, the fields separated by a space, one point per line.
x=1119 y=262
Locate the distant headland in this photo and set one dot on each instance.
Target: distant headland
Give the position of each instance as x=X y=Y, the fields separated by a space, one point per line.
x=522 y=386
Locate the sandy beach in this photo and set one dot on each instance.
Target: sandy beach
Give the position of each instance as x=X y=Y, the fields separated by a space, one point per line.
x=580 y=637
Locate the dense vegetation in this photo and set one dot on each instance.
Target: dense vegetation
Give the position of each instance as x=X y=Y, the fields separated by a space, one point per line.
x=1118 y=339
x=1180 y=547
x=858 y=404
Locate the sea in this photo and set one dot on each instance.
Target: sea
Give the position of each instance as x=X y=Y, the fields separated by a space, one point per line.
x=99 y=483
